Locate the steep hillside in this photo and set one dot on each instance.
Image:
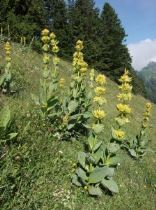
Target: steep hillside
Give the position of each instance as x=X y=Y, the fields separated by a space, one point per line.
x=148 y=74
x=40 y=178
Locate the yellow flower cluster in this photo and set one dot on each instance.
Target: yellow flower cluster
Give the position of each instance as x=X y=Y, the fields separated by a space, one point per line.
x=54 y=43
x=65 y=119
x=99 y=91
x=8 y=52
x=62 y=82
x=146 y=115
x=99 y=99
x=123 y=108
x=124 y=96
x=92 y=75
x=119 y=134
x=100 y=79
x=99 y=114
x=125 y=87
x=45 y=39
x=80 y=66
x=125 y=77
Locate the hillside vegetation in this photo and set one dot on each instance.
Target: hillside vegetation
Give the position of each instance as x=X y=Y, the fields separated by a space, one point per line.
x=148 y=75
x=36 y=170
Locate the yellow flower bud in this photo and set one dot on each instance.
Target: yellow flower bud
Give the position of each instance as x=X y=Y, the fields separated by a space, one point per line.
x=123 y=108
x=62 y=82
x=99 y=90
x=99 y=114
x=52 y=35
x=45 y=32
x=100 y=79
x=119 y=134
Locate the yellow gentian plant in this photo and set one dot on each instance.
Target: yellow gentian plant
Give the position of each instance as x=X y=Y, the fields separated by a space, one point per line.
x=93 y=172
x=123 y=107
x=6 y=78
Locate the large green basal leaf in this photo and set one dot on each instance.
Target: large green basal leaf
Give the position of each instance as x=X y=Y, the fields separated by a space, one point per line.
x=111 y=185
x=5 y=117
x=94 y=191
x=82 y=159
x=99 y=174
x=72 y=106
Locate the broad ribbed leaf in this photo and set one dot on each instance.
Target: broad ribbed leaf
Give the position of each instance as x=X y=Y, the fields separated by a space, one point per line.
x=97 y=146
x=113 y=147
x=110 y=185
x=5 y=117
x=100 y=173
x=72 y=106
x=98 y=128
x=92 y=142
x=132 y=152
x=82 y=174
x=82 y=158
x=76 y=181
x=12 y=135
x=94 y=191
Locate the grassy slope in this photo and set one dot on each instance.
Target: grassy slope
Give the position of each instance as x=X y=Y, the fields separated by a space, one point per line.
x=45 y=182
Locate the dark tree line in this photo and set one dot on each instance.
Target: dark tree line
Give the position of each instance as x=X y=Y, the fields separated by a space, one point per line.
x=102 y=32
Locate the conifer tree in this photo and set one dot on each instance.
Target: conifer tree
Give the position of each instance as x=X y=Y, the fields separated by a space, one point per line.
x=114 y=53
x=57 y=21
x=84 y=18
x=24 y=18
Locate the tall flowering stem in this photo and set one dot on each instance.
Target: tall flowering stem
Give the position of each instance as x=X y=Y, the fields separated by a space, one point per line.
x=55 y=50
x=46 y=58
x=8 y=56
x=146 y=117
x=123 y=107
x=76 y=104
x=48 y=99
x=6 y=78
x=138 y=146
x=98 y=101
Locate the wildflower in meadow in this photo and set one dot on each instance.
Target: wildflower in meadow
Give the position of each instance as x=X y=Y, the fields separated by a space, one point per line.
x=146 y=115
x=62 y=82
x=123 y=107
x=8 y=52
x=99 y=114
x=98 y=99
x=80 y=66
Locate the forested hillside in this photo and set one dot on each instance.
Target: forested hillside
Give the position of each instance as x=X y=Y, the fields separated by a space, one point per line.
x=102 y=31
x=148 y=75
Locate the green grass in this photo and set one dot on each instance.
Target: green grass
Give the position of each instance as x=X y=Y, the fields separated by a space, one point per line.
x=36 y=173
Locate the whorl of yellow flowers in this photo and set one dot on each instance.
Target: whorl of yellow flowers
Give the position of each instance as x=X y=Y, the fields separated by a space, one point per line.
x=125 y=88
x=54 y=43
x=99 y=99
x=45 y=39
x=146 y=115
x=99 y=114
x=8 y=52
x=62 y=82
x=123 y=107
x=124 y=96
x=100 y=79
x=119 y=134
x=55 y=49
x=80 y=66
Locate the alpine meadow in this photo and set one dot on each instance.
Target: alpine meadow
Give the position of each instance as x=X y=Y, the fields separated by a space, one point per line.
x=76 y=128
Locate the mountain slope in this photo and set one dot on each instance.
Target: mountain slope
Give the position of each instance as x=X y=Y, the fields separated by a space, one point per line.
x=148 y=75
x=41 y=179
